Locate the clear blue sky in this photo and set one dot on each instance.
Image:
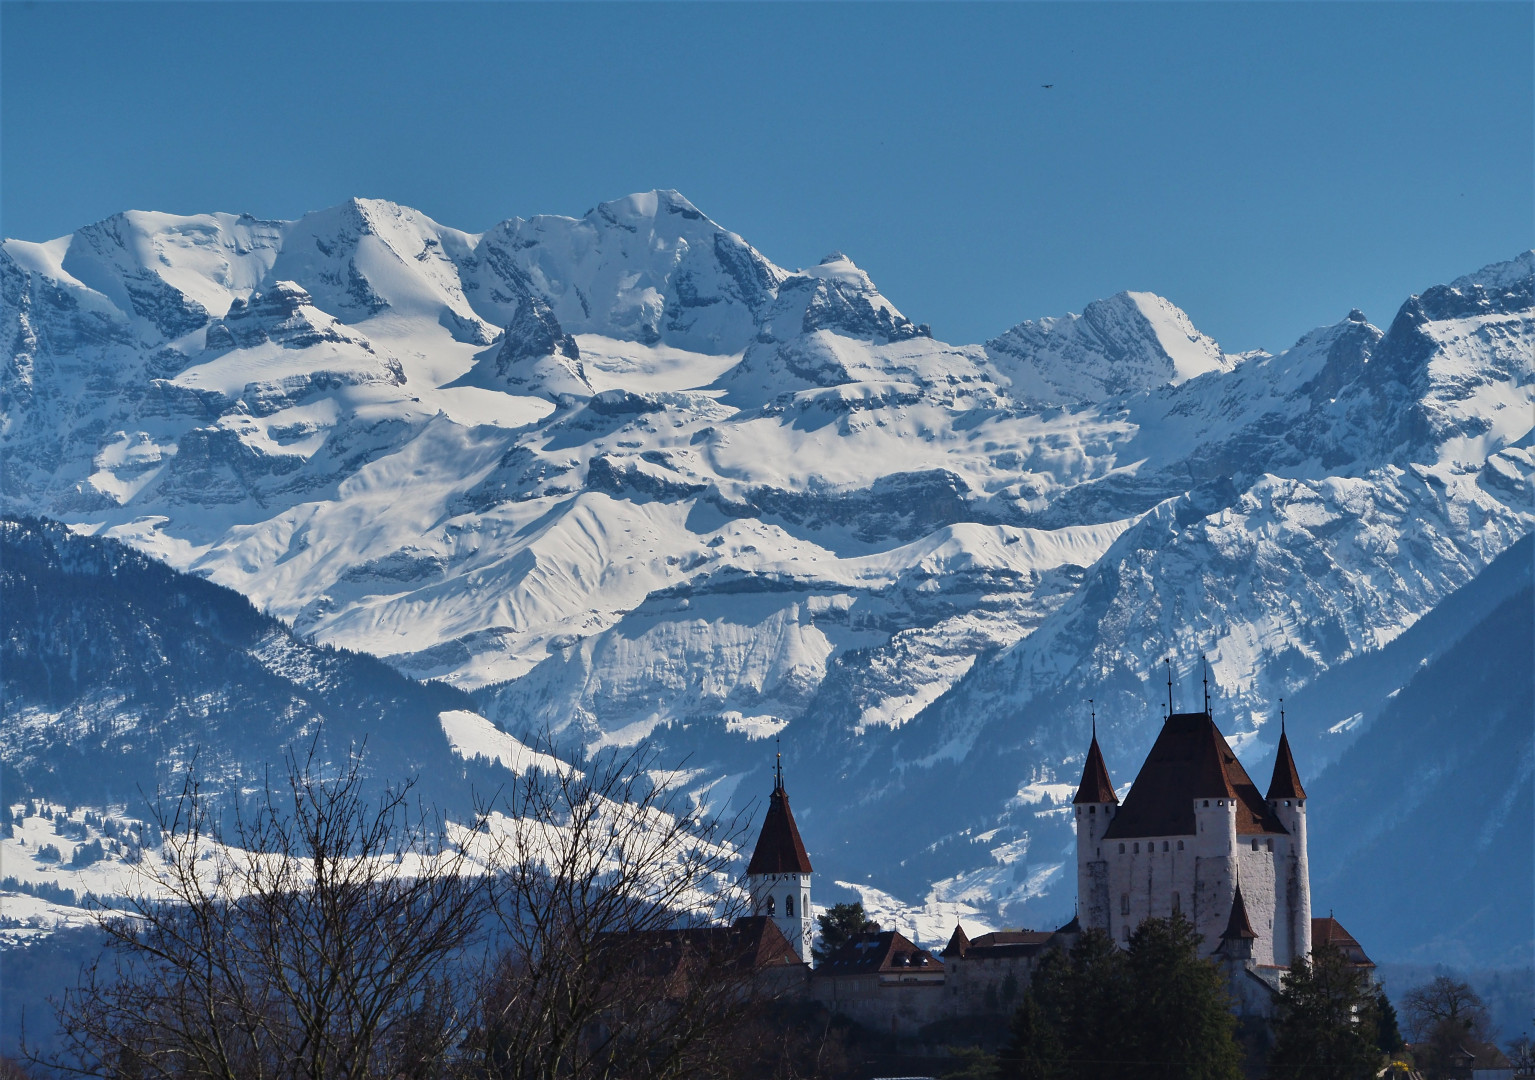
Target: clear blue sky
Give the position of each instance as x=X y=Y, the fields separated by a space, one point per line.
x=1264 y=166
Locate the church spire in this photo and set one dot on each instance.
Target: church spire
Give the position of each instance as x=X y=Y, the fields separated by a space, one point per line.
x=779 y=848
x=1286 y=781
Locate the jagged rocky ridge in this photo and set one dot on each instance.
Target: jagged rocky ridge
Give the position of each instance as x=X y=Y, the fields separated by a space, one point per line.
x=622 y=476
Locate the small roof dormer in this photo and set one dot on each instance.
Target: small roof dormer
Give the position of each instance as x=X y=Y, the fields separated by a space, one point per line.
x=779 y=849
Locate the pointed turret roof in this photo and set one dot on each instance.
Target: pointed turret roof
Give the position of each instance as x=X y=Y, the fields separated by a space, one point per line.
x=779 y=849
x=1238 y=925
x=959 y=942
x=1286 y=781
x=1095 y=786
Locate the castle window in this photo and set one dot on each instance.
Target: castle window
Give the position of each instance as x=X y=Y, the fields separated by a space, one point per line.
x=788 y=905
x=772 y=908
x=1164 y=845
x=1207 y=802
x=1124 y=905
x=1255 y=843
x=1180 y=845
x=1090 y=810
x=1137 y=849
x=1121 y=849
x=1271 y=843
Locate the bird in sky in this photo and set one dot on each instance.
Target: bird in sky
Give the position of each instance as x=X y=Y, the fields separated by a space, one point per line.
x=1047 y=86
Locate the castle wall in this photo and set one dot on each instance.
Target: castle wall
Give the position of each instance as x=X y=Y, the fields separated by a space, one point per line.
x=884 y=1003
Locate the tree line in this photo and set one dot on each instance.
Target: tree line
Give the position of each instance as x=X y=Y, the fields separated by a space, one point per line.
x=339 y=930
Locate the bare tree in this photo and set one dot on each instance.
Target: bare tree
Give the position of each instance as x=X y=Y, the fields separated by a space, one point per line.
x=576 y=927
x=322 y=938
x=1445 y=1005
x=611 y=894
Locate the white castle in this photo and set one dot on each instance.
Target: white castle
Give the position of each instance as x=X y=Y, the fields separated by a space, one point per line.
x=1194 y=836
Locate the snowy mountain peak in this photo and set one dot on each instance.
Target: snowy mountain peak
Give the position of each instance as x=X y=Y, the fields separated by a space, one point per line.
x=650 y=267
x=1126 y=343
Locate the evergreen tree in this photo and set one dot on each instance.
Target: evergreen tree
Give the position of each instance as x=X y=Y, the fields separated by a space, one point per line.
x=1326 y=1027
x=1388 y=1034
x=1180 y=1025
x=838 y=925
x=1033 y=1050
x=1096 y=1018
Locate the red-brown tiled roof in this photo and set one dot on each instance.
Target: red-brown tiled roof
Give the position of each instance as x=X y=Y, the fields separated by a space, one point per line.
x=887 y=952
x=1238 y=926
x=753 y=941
x=1329 y=931
x=1095 y=786
x=1008 y=943
x=1190 y=760
x=779 y=849
x=1286 y=781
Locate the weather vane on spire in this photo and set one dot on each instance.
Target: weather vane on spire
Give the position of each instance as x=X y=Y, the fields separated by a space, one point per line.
x=1169 y=663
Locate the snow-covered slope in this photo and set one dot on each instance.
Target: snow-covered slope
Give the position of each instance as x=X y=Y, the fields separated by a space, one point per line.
x=623 y=477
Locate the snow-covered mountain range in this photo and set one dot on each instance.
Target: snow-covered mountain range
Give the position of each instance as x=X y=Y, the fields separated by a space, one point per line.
x=623 y=477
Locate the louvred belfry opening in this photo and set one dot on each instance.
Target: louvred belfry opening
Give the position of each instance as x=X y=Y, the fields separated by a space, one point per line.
x=779 y=849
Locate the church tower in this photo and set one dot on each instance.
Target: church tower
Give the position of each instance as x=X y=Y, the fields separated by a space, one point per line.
x=778 y=876
x=1094 y=804
x=1287 y=800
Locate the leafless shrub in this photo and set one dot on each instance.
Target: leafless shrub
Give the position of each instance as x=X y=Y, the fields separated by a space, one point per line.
x=321 y=938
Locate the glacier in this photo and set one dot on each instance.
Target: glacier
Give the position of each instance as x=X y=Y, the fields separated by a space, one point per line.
x=621 y=477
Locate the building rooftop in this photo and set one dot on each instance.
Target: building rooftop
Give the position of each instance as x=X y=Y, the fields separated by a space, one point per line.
x=886 y=952
x=1095 y=786
x=1286 y=780
x=1329 y=931
x=779 y=849
x=1190 y=761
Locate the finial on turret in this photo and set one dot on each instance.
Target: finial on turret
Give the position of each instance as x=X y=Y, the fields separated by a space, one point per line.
x=1281 y=716
x=1091 y=711
x=778 y=763
x=1169 y=663
x=1206 y=664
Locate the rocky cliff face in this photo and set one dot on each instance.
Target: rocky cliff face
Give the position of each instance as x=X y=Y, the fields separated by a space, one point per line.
x=622 y=477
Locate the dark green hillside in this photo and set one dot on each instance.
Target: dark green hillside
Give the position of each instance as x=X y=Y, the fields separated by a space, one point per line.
x=116 y=671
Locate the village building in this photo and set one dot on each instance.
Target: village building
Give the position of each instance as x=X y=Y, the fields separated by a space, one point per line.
x=1193 y=836
x=778 y=876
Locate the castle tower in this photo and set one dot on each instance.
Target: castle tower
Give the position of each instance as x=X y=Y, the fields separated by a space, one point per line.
x=1287 y=801
x=1094 y=805
x=778 y=876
